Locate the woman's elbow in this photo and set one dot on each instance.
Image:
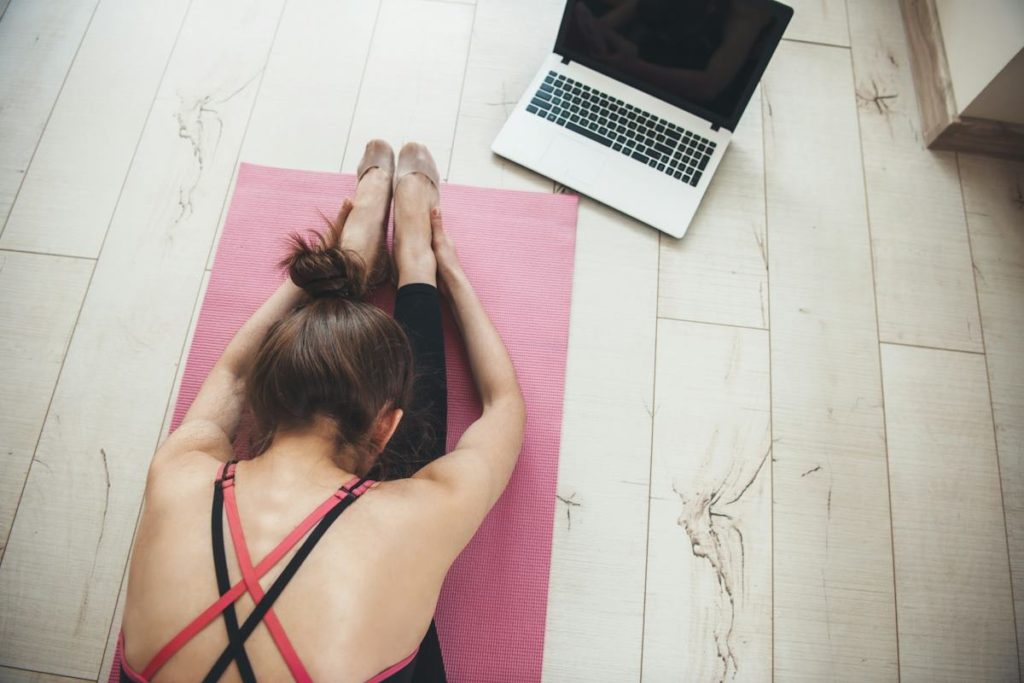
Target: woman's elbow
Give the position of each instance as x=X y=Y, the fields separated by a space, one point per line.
x=512 y=408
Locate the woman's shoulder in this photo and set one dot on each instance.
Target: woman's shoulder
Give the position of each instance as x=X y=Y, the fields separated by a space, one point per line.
x=408 y=508
x=181 y=477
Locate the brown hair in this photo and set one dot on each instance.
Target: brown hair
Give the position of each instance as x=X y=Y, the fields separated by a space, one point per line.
x=335 y=355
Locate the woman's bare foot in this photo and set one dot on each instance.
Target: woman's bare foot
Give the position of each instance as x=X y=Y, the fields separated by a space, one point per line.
x=365 y=225
x=416 y=194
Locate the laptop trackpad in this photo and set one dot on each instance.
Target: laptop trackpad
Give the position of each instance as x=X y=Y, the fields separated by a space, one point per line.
x=572 y=162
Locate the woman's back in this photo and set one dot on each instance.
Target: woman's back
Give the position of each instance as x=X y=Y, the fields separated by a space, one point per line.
x=358 y=604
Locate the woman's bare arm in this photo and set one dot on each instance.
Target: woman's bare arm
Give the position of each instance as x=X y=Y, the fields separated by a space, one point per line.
x=476 y=472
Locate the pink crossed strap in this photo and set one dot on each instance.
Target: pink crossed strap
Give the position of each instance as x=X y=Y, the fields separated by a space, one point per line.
x=252 y=581
x=251 y=575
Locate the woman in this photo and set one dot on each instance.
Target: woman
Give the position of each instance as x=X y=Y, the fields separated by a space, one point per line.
x=328 y=379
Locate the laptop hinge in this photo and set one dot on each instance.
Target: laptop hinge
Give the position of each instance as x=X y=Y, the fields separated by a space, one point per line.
x=565 y=59
x=715 y=127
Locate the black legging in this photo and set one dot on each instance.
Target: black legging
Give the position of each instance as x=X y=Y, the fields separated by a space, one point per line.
x=421 y=437
x=418 y=311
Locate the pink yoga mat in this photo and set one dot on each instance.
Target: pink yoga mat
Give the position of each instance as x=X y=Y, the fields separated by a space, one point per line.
x=518 y=250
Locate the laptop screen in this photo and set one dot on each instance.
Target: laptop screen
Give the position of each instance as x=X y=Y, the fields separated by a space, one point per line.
x=705 y=56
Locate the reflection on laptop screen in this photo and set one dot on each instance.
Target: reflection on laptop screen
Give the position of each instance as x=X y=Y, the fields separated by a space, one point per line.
x=704 y=53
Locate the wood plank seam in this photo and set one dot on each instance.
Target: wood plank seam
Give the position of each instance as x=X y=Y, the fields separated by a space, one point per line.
x=878 y=347
x=708 y=322
x=42 y=673
x=53 y=106
x=650 y=471
x=849 y=43
x=46 y=413
x=817 y=42
x=771 y=392
x=933 y=348
x=363 y=79
x=462 y=89
x=46 y=253
x=359 y=90
x=992 y=409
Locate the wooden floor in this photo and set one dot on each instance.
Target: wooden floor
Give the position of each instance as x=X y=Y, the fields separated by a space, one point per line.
x=793 y=446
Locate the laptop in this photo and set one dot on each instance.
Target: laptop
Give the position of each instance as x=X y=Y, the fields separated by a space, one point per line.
x=636 y=105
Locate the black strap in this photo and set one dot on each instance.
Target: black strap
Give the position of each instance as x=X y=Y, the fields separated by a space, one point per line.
x=275 y=590
x=236 y=644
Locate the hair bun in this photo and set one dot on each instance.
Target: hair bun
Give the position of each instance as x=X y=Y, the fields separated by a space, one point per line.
x=324 y=270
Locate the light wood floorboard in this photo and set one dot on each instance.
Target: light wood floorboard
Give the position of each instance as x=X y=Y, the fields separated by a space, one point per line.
x=37 y=317
x=595 y=613
x=994 y=201
x=947 y=525
x=38 y=41
x=922 y=260
x=709 y=558
x=718 y=273
x=833 y=586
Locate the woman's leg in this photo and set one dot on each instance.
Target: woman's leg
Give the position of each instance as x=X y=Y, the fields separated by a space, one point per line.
x=423 y=439
x=365 y=224
x=418 y=310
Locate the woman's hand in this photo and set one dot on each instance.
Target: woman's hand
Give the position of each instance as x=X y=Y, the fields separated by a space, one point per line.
x=448 y=266
x=343 y=212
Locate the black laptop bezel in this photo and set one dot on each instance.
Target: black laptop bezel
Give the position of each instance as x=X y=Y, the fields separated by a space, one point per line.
x=783 y=14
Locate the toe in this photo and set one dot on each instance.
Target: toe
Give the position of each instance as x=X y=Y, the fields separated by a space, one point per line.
x=378 y=153
x=379 y=145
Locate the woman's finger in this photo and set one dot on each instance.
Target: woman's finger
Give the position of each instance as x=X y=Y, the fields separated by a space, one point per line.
x=344 y=211
x=436 y=223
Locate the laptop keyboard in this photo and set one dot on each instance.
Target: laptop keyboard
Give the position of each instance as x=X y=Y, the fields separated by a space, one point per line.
x=626 y=129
